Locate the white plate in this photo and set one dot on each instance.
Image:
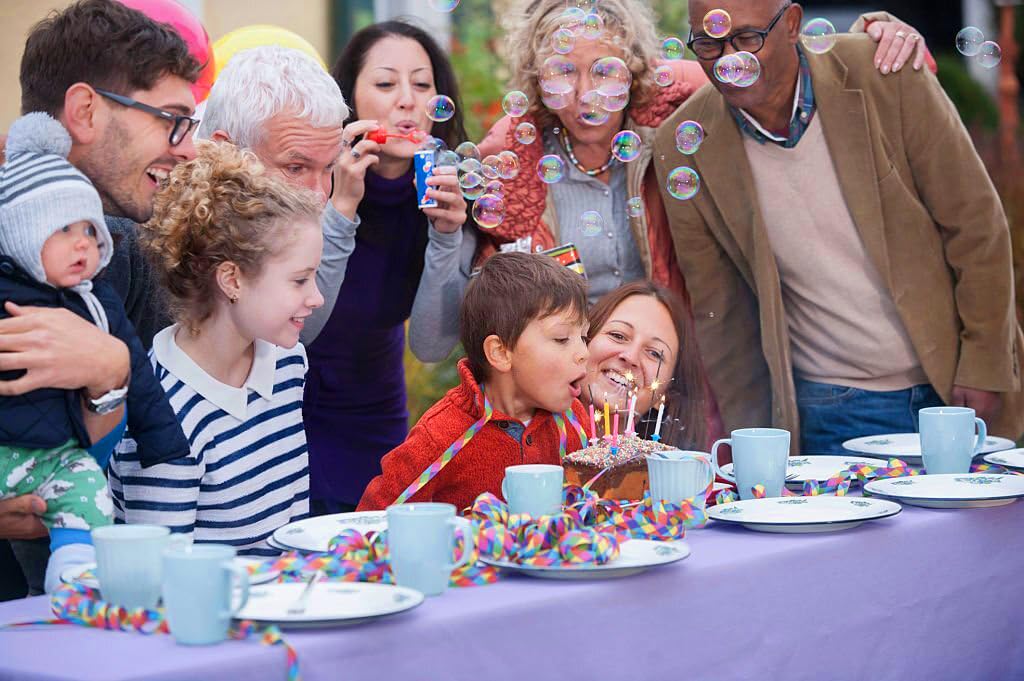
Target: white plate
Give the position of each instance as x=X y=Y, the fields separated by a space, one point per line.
x=330 y=604
x=799 y=469
x=803 y=514
x=635 y=555
x=907 y=446
x=951 y=490
x=314 y=534
x=85 y=573
x=1010 y=458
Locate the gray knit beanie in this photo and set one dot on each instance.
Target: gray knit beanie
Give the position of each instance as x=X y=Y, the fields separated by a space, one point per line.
x=41 y=193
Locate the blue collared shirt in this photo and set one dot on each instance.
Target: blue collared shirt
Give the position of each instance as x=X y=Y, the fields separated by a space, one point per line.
x=803 y=112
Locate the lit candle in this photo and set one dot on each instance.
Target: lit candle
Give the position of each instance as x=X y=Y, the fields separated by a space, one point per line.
x=629 y=421
x=607 y=420
x=593 y=423
x=657 y=425
x=615 y=432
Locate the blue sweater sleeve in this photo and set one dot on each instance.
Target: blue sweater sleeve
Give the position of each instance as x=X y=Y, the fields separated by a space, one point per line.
x=151 y=421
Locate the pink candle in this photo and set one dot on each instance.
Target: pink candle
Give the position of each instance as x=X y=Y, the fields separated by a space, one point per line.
x=593 y=423
x=615 y=429
x=629 y=421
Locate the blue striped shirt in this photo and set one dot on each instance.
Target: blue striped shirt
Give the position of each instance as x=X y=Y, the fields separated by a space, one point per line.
x=248 y=471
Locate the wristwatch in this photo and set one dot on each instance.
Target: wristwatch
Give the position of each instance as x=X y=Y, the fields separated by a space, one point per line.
x=108 y=402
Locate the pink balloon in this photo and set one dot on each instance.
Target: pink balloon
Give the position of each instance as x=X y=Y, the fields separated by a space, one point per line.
x=188 y=26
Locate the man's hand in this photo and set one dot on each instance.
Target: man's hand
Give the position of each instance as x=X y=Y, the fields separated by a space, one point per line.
x=19 y=518
x=986 y=405
x=59 y=349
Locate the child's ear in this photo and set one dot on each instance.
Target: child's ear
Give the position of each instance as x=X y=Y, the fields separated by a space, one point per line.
x=229 y=280
x=498 y=355
x=220 y=136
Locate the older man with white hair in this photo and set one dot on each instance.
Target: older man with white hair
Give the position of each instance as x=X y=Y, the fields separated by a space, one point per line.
x=281 y=104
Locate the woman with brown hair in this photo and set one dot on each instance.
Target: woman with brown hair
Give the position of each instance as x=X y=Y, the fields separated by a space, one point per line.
x=641 y=338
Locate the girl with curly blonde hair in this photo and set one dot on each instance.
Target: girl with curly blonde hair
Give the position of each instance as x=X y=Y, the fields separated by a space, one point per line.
x=238 y=251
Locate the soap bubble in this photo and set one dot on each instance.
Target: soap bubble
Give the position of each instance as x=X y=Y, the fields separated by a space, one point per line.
x=585 y=5
x=573 y=18
x=969 y=41
x=469 y=165
x=635 y=207
x=689 y=136
x=440 y=108
x=728 y=68
x=612 y=78
x=468 y=150
x=750 y=70
x=592 y=110
x=717 y=23
x=489 y=211
x=550 y=169
x=515 y=103
x=508 y=166
x=563 y=40
x=626 y=146
x=990 y=55
x=475 y=192
x=491 y=167
x=672 y=49
x=557 y=79
x=471 y=179
x=495 y=187
x=443 y=5
x=526 y=133
x=664 y=75
x=446 y=157
x=593 y=26
x=683 y=183
x=818 y=36
x=591 y=223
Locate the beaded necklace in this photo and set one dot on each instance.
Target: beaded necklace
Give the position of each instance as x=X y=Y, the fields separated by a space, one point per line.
x=567 y=145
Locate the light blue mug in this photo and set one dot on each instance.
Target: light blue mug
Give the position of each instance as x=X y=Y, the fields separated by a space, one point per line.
x=129 y=563
x=948 y=441
x=533 y=488
x=759 y=457
x=199 y=582
x=676 y=475
x=421 y=541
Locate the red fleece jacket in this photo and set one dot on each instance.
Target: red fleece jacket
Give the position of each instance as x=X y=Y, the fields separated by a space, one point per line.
x=480 y=466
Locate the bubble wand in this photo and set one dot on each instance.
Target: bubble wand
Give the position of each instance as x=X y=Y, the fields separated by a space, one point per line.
x=380 y=136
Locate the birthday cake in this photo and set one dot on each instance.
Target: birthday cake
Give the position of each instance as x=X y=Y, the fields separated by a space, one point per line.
x=626 y=474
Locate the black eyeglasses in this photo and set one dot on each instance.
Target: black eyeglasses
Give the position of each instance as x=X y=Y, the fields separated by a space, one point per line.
x=180 y=125
x=707 y=48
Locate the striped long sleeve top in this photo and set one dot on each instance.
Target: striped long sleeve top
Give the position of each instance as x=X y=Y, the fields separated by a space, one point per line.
x=247 y=473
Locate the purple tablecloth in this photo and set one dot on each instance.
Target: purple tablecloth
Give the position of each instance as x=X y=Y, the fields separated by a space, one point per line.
x=927 y=595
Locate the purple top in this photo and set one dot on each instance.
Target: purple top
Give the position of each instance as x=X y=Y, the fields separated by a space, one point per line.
x=355 y=401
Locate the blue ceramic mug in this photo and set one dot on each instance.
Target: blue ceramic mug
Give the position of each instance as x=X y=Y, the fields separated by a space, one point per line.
x=533 y=488
x=759 y=457
x=421 y=541
x=675 y=476
x=198 y=584
x=129 y=564
x=948 y=441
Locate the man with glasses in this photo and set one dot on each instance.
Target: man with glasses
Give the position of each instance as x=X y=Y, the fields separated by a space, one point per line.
x=119 y=83
x=840 y=279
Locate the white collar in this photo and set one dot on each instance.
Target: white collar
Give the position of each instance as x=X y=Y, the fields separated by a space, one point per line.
x=796 y=105
x=234 y=401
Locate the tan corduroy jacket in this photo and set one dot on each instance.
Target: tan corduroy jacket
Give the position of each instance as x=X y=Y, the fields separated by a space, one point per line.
x=925 y=208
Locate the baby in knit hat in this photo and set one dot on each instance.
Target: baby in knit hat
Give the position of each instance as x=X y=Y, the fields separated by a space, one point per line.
x=53 y=242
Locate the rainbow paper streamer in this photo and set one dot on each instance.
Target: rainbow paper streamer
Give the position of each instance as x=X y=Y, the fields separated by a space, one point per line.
x=80 y=605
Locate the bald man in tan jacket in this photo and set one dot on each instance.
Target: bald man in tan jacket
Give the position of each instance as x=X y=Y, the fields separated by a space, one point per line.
x=847 y=255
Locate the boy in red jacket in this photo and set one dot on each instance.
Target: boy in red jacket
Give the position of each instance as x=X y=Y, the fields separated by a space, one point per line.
x=523 y=324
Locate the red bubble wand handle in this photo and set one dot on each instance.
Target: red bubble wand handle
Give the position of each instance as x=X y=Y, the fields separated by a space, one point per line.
x=380 y=136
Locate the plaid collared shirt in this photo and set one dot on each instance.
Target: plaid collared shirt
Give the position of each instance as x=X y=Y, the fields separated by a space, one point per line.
x=803 y=112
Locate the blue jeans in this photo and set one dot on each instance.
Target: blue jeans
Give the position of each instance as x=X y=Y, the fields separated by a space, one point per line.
x=832 y=414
